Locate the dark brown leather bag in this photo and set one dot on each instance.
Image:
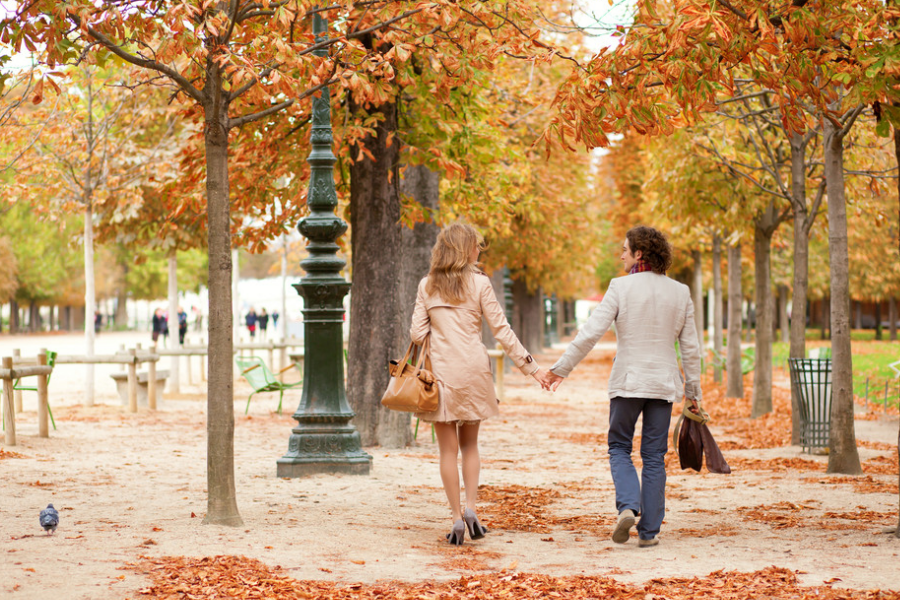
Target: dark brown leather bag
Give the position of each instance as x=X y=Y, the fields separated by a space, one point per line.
x=693 y=440
x=412 y=387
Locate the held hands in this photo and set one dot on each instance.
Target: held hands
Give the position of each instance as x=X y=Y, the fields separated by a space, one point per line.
x=549 y=380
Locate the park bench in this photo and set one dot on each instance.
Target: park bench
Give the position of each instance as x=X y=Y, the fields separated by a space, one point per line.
x=143 y=385
x=261 y=379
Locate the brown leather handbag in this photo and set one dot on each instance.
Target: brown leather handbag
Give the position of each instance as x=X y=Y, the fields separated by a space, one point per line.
x=412 y=388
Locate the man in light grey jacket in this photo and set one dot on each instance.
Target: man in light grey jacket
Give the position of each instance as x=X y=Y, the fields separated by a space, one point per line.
x=651 y=313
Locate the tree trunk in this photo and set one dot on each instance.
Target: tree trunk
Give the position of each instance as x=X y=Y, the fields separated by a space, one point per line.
x=718 y=306
x=697 y=290
x=90 y=305
x=376 y=331
x=222 y=506
x=528 y=316
x=857 y=314
x=762 y=373
x=174 y=361
x=843 y=456
x=735 y=388
x=13 y=317
x=422 y=185
x=802 y=227
x=751 y=321
x=783 y=313
x=878 y=320
x=892 y=317
x=52 y=316
x=33 y=317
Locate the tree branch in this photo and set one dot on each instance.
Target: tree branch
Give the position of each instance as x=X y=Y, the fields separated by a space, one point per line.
x=177 y=77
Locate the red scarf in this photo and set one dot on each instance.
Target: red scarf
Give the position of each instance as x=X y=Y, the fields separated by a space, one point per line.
x=641 y=266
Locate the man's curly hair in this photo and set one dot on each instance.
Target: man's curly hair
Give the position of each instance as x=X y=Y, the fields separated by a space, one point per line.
x=653 y=246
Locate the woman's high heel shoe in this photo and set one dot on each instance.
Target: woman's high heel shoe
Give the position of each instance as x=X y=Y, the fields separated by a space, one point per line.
x=458 y=533
x=476 y=529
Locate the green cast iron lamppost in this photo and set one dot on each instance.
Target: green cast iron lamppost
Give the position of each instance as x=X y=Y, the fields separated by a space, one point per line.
x=323 y=440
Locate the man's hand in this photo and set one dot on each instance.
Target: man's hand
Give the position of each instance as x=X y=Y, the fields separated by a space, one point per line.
x=553 y=380
x=694 y=407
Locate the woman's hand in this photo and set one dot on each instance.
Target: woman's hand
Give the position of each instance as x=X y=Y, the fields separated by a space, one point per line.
x=548 y=380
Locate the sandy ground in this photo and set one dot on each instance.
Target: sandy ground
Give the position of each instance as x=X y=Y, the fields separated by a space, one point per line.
x=130 y=485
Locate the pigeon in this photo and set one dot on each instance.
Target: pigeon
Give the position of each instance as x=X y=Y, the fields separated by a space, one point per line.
x=49 y=519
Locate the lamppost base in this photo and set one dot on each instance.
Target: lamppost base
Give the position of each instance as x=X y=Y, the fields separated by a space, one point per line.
x=293 y=468
x=316 y=447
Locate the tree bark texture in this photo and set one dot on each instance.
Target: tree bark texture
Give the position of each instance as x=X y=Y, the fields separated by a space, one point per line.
x=735 y=387
x=528 y=316
x=222 y=506
x=718 y=344
x=376 y=331
x=697 y=291
x=843 y=456
x=174 y=361
x=762 y=373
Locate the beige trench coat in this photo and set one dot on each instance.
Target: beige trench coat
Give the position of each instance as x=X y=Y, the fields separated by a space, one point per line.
x=459 y=360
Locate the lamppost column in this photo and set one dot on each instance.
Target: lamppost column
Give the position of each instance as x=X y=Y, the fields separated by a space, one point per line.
x=323 y=441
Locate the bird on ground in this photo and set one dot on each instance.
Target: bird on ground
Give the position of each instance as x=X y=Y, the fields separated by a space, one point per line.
x=49 y=519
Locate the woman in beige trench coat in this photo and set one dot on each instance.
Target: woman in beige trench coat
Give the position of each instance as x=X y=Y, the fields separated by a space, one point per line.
x=450 y=304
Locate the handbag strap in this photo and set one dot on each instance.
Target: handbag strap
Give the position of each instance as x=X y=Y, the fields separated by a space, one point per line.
x=423 y=353
x=409 y=351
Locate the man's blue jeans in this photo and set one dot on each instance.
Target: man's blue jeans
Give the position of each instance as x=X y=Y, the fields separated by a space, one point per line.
x=646 y=497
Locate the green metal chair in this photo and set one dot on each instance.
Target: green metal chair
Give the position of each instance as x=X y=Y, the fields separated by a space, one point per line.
x=17 y=385
x=261 y=379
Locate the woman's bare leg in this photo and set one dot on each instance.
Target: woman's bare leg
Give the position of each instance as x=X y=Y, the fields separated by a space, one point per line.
x=448 y=445
x=471 y=461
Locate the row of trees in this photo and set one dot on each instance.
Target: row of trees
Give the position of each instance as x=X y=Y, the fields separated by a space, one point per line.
x=436 y=107
x=758 y=86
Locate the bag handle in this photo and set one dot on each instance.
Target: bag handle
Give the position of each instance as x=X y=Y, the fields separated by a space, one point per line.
x=423 y=352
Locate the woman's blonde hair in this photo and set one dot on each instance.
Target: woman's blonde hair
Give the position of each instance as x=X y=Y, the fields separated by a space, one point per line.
x=450 y=261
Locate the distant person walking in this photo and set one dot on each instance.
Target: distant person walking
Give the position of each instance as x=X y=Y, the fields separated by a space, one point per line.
x=651 y=313
x=159 y=324
x=450 y=305
x=98 y=321
x=251 y=323
x=182 y=325
x=263 y=324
